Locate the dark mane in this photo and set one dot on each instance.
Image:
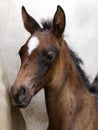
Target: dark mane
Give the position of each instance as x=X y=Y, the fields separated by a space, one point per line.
x=78 y=63
x=48 y=25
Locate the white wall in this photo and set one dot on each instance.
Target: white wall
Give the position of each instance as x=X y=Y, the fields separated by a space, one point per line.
x=81 y=33
x=5 y=107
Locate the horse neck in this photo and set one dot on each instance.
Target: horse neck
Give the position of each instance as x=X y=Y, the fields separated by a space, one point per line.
x=62 y=94
x=66 y=78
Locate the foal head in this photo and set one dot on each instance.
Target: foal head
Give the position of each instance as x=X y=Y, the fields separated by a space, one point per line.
x=40 y=57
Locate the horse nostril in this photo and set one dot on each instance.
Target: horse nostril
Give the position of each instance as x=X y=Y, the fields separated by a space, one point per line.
x=22 y=95
x=22 y=91
x=19 y=95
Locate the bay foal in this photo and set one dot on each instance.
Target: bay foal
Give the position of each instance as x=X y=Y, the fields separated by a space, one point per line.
x=47 y=62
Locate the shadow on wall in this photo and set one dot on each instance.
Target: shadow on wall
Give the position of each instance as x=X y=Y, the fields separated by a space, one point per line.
x=10 y=117
x=18 y=122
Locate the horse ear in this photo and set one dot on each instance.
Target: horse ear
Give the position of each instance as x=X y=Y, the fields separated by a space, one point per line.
x=59 y=21
x=29 y=23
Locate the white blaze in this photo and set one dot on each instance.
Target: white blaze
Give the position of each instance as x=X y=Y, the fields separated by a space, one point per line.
x=32 y=44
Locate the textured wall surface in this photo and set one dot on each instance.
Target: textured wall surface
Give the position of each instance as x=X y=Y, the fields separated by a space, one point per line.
x=5 y=113
x=81 y=33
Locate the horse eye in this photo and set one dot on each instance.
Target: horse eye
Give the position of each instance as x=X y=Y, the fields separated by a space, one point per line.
x=50 y=56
